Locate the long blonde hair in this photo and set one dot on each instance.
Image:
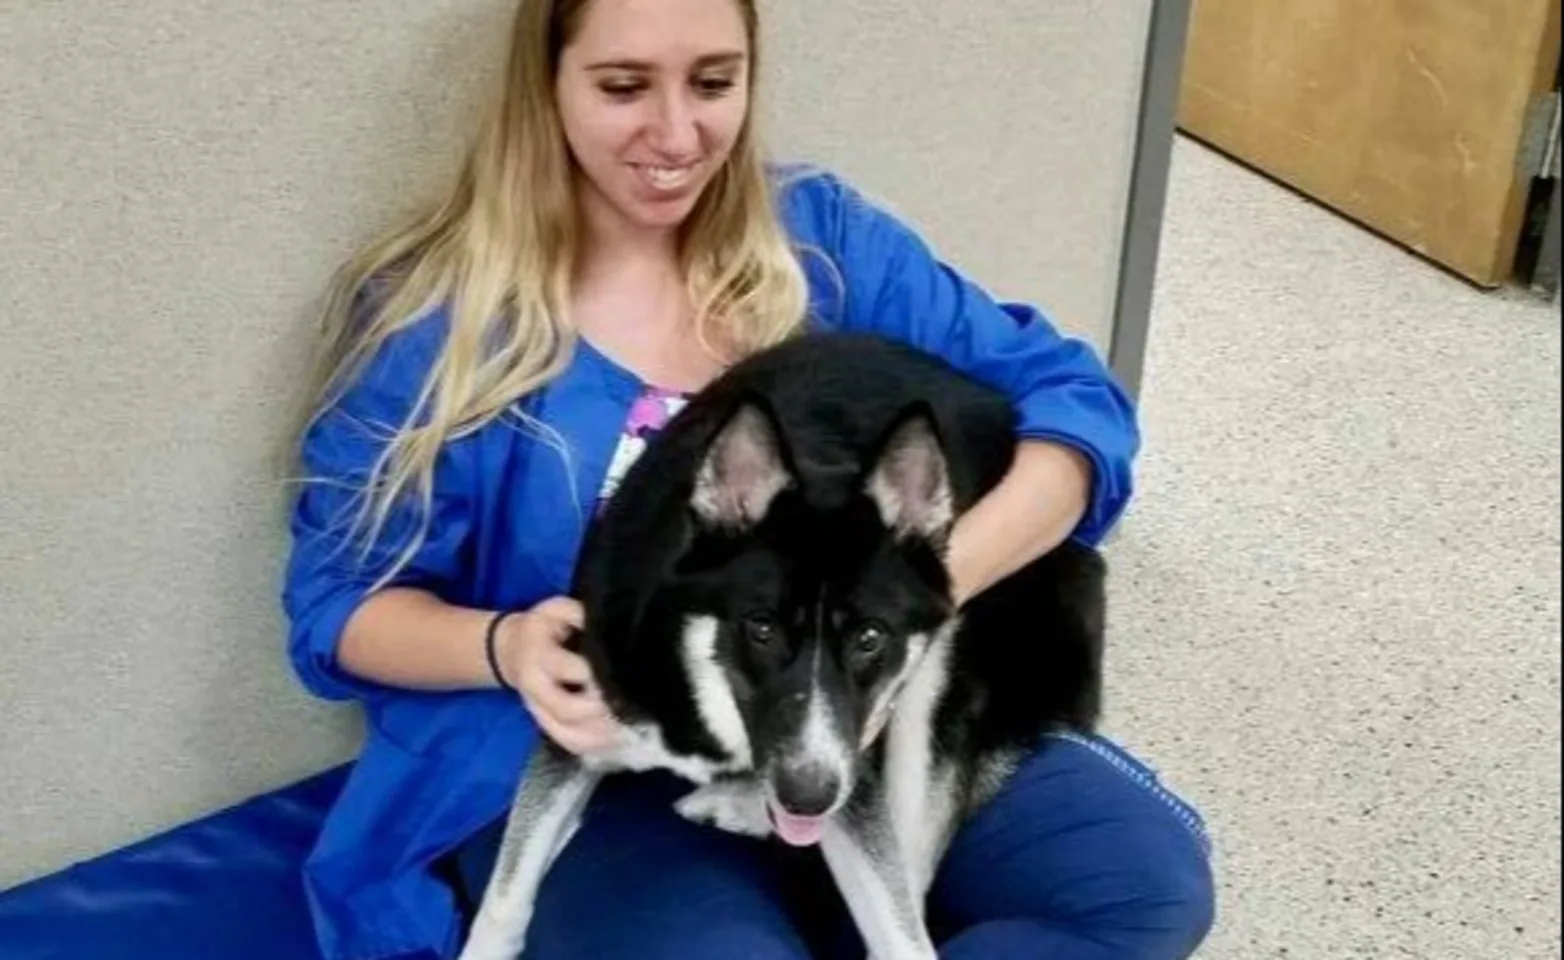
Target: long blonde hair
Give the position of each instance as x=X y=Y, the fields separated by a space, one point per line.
x=498 y=253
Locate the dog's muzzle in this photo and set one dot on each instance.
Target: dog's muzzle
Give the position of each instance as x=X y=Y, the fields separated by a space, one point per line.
x=802 y=796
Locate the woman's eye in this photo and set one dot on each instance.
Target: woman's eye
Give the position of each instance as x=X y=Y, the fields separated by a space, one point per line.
x=714 y=86
x=622 y=88
x=704 y=86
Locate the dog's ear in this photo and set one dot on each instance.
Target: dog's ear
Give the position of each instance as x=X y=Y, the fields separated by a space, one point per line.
x=744 y=469
x=909 y=480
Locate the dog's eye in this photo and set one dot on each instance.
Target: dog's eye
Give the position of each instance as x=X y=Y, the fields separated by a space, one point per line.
x=870 y=639
x=761 y=630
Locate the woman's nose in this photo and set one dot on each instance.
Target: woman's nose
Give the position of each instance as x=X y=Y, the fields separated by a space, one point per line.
x=674 y=130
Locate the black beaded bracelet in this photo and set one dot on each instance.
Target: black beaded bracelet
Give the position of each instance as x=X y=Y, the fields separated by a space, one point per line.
x=488 y=649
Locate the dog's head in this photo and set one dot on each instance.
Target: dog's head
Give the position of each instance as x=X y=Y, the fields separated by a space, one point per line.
x=804 y=614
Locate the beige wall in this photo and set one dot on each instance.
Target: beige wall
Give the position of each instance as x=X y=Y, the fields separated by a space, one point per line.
x=176 y=180
x=1002 y=128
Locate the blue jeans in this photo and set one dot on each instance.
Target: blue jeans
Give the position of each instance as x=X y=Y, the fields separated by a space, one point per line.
x=1082 y=856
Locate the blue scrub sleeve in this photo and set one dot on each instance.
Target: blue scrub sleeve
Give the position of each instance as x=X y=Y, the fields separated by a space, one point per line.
x=896 y=286
x=328 y=572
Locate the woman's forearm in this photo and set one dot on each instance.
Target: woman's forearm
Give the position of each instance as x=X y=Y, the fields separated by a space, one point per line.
x=410 y=638
x=1032 y=510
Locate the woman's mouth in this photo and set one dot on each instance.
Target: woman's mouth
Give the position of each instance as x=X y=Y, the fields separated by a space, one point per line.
x=666 y=179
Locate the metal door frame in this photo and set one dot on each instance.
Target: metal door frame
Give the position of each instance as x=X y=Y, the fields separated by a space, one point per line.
x=1140 y=246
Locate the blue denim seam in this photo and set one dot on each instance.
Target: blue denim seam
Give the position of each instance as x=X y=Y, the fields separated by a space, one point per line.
x=1181 y=810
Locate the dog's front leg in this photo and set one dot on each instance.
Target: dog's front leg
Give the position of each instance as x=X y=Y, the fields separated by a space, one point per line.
x=554 y=791
x=870 y=870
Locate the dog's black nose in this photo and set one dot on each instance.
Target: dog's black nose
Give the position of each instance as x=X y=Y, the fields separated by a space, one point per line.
x=806 y=790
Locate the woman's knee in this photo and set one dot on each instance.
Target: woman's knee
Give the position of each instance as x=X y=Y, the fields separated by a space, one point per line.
x=1086 y=838
x=1165 y=853
x=1170 y=903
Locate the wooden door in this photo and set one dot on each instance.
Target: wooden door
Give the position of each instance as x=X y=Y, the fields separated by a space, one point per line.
x=1409 y=116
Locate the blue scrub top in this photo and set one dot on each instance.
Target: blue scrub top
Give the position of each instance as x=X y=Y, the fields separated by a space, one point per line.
x=509 y=514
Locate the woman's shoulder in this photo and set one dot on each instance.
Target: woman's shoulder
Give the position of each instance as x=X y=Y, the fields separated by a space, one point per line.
x=824 y=210
x=816 y=203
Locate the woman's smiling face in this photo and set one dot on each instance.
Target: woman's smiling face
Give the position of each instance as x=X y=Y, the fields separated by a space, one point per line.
x=652 y=95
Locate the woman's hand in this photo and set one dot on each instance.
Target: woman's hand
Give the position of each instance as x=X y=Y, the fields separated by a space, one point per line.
x=556 y=684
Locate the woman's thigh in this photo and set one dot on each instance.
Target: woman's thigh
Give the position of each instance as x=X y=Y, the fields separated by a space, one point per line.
x=1083 y=855
x=639 y=881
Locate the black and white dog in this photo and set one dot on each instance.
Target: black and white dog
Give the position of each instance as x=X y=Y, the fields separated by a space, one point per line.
x=768 y=614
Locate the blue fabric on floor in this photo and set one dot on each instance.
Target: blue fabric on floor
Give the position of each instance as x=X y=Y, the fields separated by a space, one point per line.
x=224 y=887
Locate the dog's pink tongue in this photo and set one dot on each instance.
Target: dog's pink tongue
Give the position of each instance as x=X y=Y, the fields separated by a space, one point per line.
x=797 y=831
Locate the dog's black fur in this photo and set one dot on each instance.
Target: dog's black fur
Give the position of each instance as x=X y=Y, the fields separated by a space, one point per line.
x=767 y=506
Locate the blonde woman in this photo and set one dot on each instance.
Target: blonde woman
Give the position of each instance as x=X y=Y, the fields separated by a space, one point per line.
x=614 y=240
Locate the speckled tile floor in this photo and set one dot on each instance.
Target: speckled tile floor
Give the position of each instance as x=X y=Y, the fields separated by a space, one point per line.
x=1337 y=620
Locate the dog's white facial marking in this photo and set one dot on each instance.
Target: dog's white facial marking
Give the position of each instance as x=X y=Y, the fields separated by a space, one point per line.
x=820 y=745
x=821 y=738
x=714 y=700
x=920 y=798
x=644 y=746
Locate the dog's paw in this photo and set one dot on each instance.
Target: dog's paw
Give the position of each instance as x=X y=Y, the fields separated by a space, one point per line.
x=736 y=808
